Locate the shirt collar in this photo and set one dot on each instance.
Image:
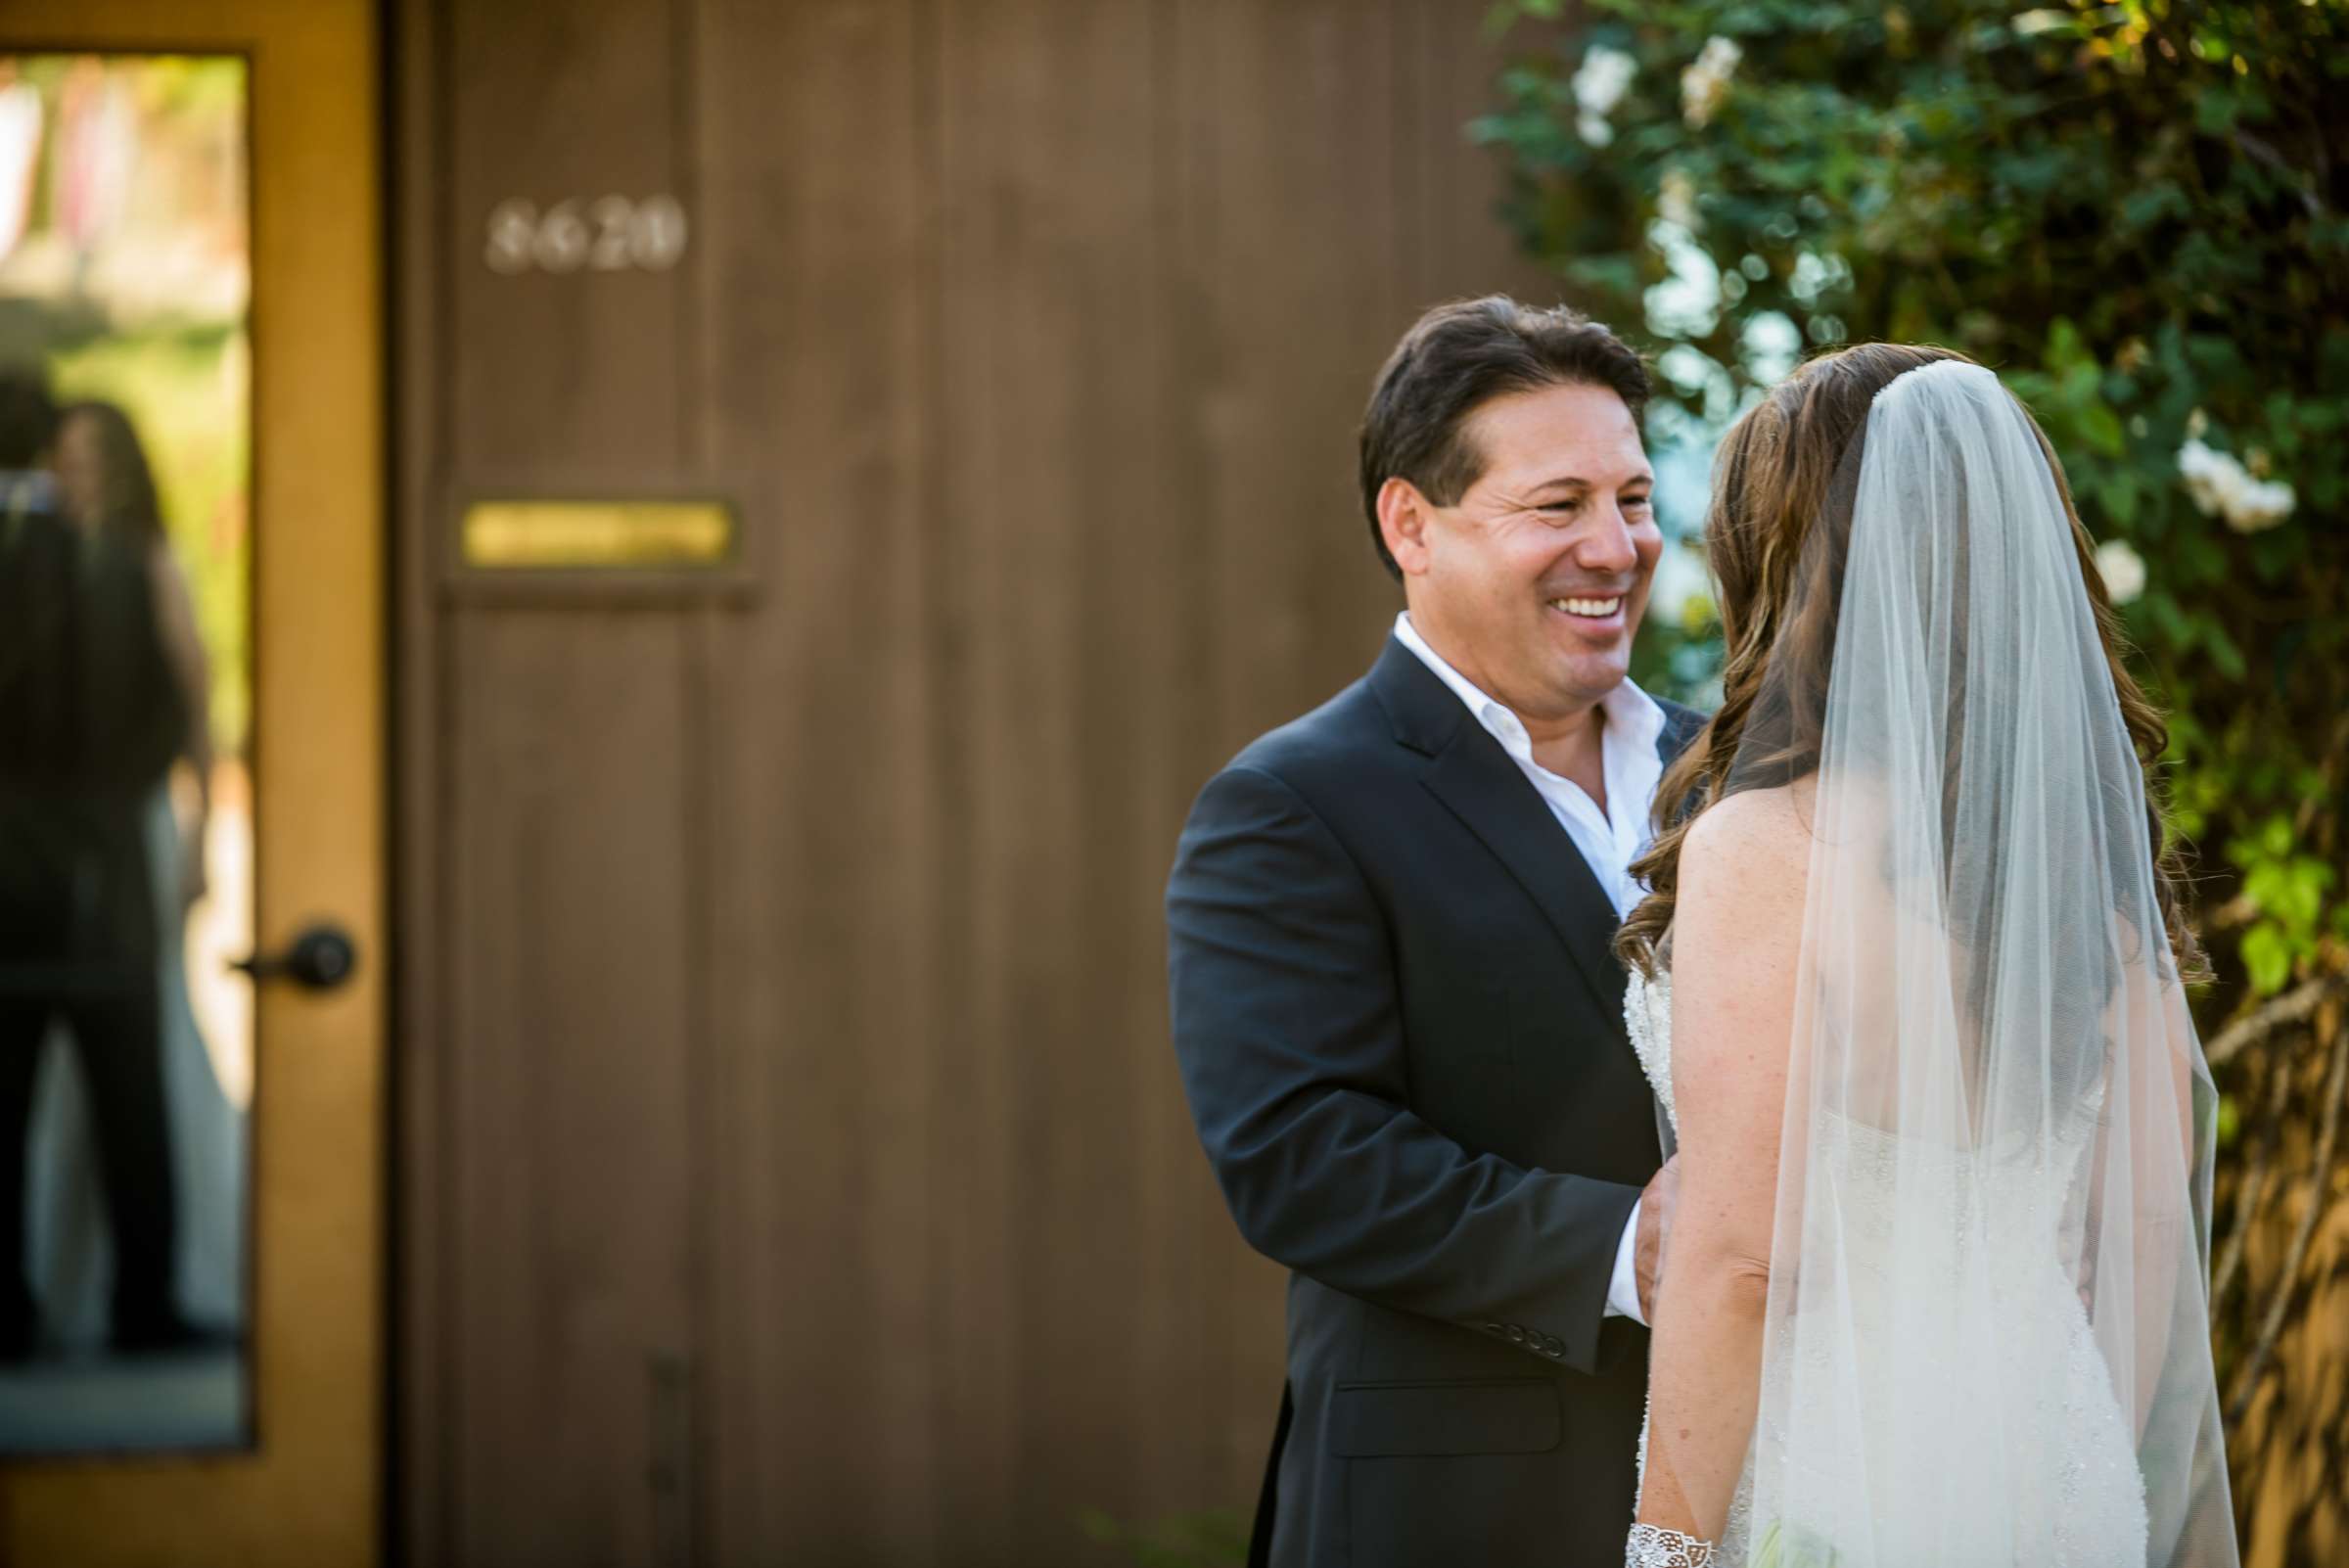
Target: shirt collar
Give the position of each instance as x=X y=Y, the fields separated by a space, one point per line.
x=1634 y=718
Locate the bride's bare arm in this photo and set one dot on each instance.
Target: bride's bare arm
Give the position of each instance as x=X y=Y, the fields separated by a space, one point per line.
x=1737 y=928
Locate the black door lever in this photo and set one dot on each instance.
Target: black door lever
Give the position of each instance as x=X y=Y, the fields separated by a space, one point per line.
x=322 y=957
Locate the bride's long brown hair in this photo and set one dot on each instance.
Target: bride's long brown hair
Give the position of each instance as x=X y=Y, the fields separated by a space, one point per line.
x=1774 y=481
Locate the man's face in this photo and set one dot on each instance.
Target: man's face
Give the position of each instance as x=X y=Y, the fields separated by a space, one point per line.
x=1532 y=584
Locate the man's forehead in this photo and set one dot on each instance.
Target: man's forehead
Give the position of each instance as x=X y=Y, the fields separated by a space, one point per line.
x=1566 y=432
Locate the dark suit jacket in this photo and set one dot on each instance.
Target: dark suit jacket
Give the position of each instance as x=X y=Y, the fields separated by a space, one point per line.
x=1400 y=1031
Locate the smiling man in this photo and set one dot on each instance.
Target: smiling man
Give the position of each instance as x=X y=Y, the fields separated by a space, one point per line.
x=1397 y=1019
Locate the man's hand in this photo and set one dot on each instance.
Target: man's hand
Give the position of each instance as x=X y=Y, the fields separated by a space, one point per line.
x=1656 y=1218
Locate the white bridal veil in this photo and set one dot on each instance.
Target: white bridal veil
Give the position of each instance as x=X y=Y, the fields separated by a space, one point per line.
x=1987 y=1338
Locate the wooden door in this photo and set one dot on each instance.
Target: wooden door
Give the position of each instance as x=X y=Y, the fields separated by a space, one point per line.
x=794 y=1165
x=307 y=1492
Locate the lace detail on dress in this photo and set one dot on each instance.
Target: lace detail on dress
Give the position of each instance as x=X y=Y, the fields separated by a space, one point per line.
x=1651 y=1546
x=1647 y=1018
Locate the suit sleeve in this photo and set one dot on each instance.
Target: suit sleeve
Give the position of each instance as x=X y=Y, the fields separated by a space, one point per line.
x=1289 y=1034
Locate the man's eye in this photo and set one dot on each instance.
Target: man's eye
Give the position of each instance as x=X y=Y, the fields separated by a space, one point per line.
x=1636 y=501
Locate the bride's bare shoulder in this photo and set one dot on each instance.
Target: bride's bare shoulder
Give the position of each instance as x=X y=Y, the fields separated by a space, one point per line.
x=1756 y=829
x=1737 y=932
x=1759 y=836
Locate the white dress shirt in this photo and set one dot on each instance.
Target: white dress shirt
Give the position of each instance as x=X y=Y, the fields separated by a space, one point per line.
x=1608 y=840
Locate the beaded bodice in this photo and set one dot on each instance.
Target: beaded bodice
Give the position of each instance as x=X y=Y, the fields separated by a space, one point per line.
x=1647 y=1018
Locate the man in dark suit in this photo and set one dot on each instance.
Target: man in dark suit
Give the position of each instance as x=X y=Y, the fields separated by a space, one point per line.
x=90 y=719
x=1397 y=1017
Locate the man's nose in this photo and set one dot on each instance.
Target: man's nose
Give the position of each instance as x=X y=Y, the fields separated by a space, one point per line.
x=1606 y=546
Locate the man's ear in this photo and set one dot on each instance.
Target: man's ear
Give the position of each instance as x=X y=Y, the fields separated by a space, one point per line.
x=1405 y=515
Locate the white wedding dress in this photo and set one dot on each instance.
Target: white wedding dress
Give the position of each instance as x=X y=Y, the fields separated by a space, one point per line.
x=2074 y=1494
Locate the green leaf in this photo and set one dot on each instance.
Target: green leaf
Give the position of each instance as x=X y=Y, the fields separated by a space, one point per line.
x=2145 y=208
x=2116 y=497
x=2063 y=350
x=2268 y=957
x=2101 y=427
x=2225 y=656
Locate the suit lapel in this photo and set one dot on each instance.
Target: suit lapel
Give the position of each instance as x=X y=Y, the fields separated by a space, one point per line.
x=1485 y=789
x=1479 y=783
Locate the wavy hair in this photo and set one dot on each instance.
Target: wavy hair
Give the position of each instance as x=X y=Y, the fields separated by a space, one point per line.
x=1776 y=481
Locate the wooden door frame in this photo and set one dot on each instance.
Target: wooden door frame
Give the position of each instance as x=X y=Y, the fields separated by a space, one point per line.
x=418 y=193
x=310 y=1491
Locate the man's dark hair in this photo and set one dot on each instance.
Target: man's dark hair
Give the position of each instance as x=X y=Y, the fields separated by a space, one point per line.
x=1454 y=359
x=28 y=417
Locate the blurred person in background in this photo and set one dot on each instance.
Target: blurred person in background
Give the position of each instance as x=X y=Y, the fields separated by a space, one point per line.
x=107 y=486
x=105 y=482
x=90 y=719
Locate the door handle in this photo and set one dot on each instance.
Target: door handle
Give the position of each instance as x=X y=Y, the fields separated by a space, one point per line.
x=320 y=959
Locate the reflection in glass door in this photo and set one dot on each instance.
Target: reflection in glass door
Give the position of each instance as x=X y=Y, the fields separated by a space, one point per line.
x=126 y=1041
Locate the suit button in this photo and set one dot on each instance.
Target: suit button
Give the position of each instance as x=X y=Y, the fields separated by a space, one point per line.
x=1496 y=1329
x=1516 y=1335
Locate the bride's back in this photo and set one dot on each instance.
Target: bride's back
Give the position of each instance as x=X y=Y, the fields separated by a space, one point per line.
x=1985 y=1337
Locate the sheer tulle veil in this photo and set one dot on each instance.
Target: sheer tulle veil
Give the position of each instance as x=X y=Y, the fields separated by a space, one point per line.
x=1999 y=1122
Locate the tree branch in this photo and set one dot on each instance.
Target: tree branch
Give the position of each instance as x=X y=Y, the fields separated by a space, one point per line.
x=2250 y=1195
x=2260 y=152
x=2292 y=1007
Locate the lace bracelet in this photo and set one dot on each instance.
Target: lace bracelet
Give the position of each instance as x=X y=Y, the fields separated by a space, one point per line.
x=1652 y=1546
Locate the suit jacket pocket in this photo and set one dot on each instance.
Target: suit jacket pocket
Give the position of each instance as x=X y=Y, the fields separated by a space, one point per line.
x=1503 y=1416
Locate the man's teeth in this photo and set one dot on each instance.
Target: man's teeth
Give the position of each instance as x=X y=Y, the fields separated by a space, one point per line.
x=1587 y=607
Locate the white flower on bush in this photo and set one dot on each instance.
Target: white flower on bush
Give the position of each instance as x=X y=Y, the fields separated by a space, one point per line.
x=1676 y=199
x=2220 y=487
x=1598 y=86
x=2123 y=569
x=1706 y=83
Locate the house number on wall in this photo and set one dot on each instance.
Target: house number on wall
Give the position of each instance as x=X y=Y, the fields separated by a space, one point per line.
x=610 y=234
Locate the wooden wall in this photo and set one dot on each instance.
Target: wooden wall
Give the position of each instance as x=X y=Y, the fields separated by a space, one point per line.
x=791 y=1164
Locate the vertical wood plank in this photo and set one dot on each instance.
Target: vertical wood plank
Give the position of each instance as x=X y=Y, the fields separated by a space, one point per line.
x=1452 y=187
x=568 y=886
x=1299 y=294
x=567 y=373
x=1168 y=728
x=830 y=802
x=569 y=895
x=1048 y=368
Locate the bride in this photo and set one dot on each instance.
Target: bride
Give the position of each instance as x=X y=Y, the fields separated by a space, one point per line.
x=1909 y=989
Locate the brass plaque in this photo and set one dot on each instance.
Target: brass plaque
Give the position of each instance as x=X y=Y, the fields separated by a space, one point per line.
x=536 y=535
